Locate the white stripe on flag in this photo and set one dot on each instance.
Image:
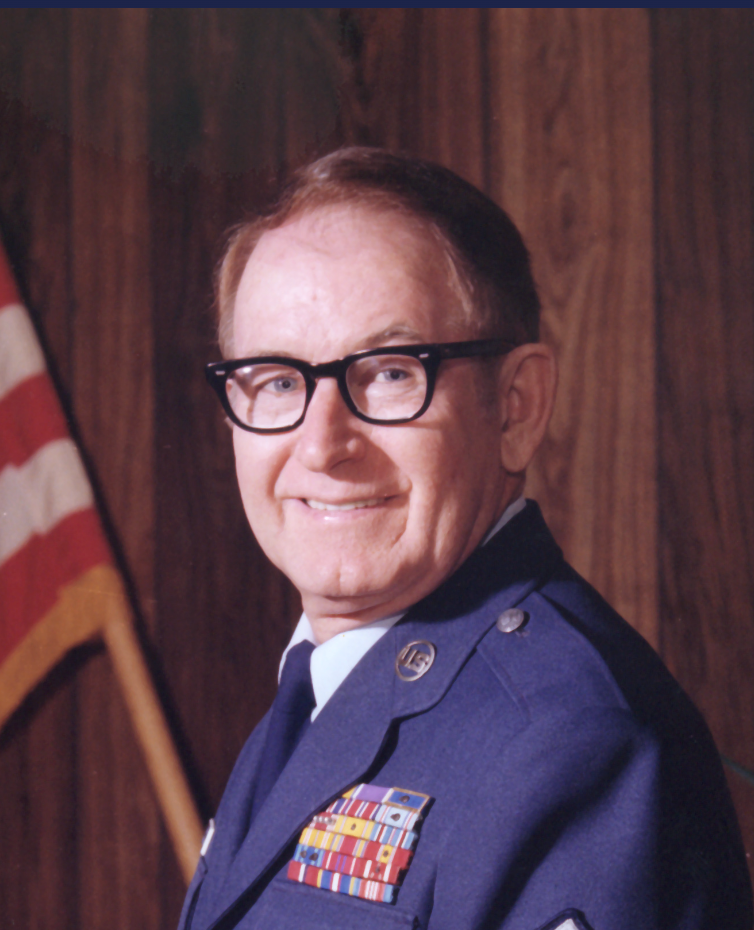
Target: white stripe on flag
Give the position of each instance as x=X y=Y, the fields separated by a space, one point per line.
x=20 y=354
x=35 y=496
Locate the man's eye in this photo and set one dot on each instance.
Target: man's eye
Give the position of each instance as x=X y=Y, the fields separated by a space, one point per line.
x=281 y=382
x=283 y=385
x=269 y=382
x=392 y=375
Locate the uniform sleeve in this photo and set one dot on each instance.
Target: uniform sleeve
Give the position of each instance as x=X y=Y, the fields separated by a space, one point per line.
x=575 y=819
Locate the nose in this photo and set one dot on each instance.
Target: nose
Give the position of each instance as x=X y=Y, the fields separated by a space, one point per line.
x=330 y=433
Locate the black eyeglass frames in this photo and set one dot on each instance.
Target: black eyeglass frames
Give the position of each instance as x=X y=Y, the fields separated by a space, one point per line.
x=386 y=386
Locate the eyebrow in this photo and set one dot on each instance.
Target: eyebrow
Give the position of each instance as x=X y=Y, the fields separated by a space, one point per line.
x=372 y=341
x=375 y=340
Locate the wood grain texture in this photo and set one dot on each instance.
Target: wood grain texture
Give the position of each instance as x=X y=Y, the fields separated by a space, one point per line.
x=121 y=842
x=571 y=161
x=34 y=170
x=38 y=812
x=706 y=345
x=418 y=85
x=110 y=262
x=704 y=87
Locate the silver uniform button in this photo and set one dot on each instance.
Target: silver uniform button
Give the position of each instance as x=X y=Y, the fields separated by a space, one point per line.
x=415 y=660
x=510 y=620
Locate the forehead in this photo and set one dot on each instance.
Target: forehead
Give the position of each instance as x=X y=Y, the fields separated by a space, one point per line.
x=341 y=275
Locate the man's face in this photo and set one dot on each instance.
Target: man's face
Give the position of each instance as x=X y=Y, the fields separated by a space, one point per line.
x=364 y=519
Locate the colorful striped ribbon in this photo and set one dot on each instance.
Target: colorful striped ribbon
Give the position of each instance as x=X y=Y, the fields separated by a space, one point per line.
x=345 y=884
x=362 y=843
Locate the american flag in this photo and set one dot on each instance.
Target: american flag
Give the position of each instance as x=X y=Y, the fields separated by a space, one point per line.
x=50 y=534
x=59 y=586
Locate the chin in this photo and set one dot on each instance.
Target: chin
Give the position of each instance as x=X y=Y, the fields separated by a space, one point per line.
x=346 y=588
x=337 y=590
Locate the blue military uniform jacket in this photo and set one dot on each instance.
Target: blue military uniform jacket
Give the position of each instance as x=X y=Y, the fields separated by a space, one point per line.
x=572 y=779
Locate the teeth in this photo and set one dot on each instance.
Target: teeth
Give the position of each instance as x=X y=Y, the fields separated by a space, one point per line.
x=355 y=505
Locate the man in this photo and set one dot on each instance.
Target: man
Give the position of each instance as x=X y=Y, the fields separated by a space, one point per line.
x=465 y=734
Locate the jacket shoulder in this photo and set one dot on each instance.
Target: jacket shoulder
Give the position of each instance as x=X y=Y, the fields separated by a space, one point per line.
x=549 y=664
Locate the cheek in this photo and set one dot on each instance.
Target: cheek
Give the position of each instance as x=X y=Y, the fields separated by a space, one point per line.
x=438 y=467
x=460 y=445
x=256 y=471
x=459 y=470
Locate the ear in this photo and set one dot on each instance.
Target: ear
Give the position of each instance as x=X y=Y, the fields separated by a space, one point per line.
x=528 y=380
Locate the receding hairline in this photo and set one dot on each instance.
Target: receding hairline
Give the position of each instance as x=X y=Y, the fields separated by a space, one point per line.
x=487 y=260
x=417 y=227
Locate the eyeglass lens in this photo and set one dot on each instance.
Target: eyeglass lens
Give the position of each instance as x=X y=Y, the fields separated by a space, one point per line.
x=382 y=387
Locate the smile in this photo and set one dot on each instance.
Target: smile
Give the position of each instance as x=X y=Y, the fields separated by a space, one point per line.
x=353 y=505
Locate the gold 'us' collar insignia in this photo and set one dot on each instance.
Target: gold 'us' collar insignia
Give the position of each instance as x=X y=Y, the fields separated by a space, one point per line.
x=415 y=660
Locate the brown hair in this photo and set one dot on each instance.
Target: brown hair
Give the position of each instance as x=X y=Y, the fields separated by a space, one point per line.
x=488 y=263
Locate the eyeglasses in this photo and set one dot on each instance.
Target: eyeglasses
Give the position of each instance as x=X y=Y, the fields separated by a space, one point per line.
x=386 y=386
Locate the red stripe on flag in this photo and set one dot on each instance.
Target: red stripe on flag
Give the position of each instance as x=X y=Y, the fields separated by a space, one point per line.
x=8 y=292
x=30 y=417
x=31 y=579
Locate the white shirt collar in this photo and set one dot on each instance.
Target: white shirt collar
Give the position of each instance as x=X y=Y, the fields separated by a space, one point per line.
x=508 y=514
x=333 y=660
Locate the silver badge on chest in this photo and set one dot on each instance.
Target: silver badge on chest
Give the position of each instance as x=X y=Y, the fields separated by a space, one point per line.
x=415 y=660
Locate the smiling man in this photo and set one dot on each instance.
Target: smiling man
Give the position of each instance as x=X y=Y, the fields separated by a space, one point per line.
x=465 y=735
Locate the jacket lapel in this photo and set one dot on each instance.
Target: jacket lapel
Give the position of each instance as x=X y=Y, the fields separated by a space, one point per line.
x=345 y=739
x=325 y=762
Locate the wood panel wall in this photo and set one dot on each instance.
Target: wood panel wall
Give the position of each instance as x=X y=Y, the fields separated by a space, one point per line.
x=704 y=130
x=619 y=140
x=572 y=155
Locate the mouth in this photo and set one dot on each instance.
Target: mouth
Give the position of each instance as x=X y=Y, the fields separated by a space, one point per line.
x=351 y=505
